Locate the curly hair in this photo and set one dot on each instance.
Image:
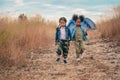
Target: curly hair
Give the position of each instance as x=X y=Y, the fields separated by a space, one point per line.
x=75 y=17
x=81 y=17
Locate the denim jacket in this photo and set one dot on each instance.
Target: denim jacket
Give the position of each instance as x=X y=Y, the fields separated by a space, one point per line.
x=58 y=33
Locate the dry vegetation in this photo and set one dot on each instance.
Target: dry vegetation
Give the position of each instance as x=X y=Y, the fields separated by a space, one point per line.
x=110 y=28
x=19 y=36
x=33 y=38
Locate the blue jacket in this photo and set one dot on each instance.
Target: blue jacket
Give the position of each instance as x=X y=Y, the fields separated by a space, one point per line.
x=68 y=34
x=85 y=37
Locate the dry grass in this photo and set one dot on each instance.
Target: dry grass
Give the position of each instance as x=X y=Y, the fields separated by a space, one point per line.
x=18 y=36
x=110 y=28
x=107 y=27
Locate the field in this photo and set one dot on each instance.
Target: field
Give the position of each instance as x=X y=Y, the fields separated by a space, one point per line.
x=27 y=51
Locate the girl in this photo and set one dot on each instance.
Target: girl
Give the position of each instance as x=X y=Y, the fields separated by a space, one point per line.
x=79 y=34
x=62 y=39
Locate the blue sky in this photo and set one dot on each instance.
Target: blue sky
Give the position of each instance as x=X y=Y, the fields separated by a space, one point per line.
x=53 y=9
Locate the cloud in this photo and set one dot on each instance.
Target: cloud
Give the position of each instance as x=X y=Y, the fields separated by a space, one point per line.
x=52 y=9
x=55 y=6
x=19 y=2
x=80 y=11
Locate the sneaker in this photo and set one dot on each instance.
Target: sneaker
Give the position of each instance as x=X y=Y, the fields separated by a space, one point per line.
x=78 y=59
x=65 y=61
x=58 y=59
x=81 y=56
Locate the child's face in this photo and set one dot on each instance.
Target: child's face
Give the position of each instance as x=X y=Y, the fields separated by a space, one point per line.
x=78 y=22
x=62 y=23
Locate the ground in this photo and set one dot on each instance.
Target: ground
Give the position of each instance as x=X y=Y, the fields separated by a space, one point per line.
x=101 y=62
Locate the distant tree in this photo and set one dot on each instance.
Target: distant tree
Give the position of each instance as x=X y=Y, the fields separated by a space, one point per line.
x=22 y=17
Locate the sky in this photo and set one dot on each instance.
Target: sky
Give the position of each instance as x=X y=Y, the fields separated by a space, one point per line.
x=54 y=9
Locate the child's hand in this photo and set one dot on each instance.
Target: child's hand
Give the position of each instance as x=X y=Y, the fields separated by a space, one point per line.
x=86 y=33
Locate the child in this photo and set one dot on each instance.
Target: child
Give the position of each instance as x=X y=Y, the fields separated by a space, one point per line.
x=62 y=39
x=79 y=35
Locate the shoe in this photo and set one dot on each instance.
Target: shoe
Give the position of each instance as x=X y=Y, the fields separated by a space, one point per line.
x=81 y=56
x=58 y=59
x=65 y=62
x=78 y=59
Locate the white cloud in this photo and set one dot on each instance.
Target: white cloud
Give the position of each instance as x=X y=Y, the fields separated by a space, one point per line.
x=80 y=11
x=85 y=12
x=19 y=2
x=55 y=6
x=53 y=11
x=47 y=5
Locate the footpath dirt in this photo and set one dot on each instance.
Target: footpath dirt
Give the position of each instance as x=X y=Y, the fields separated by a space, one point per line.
x=101 y=61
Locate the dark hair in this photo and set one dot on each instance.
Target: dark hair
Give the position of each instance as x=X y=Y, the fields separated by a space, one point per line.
x=63 y=18
x=81 y=17
x=75 y=17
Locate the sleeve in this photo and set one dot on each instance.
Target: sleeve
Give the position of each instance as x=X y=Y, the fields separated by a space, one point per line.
x=56 y=35
x=69 y=34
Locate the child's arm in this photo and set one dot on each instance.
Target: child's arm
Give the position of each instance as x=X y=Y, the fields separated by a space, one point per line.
x=56 y=36
x=69 y=33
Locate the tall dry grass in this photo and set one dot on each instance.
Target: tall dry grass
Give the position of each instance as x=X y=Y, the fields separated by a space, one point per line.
x=17 y=36
x=110 y=27
x=107 y=27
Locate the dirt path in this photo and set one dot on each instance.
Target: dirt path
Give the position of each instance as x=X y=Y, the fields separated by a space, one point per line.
x=101 y=62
